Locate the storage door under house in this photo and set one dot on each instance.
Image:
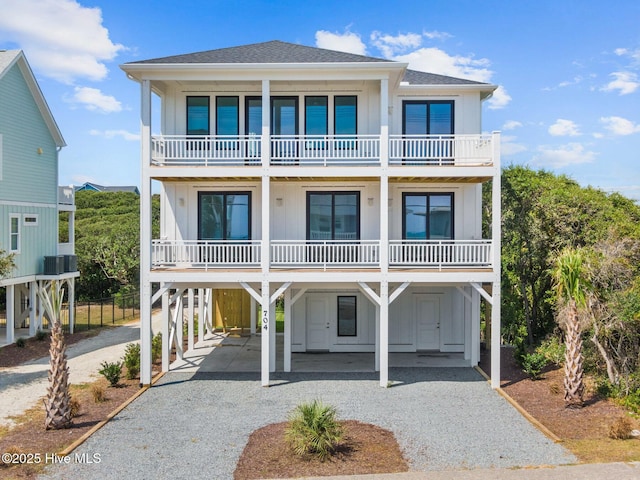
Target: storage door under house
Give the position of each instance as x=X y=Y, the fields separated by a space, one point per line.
x=232 y=309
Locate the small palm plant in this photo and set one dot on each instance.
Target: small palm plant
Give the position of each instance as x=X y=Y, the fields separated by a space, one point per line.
x=57 y=403
x=314 y=430
x=572 y=287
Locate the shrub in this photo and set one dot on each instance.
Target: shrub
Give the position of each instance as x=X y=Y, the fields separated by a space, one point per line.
x=553 y=349
x=156 y=347
x=132 y=360
x=40 y=335
x=111 y=371
x=533 y=364
x=21 y=342
x=620 y=429
x=97 y=391
x=74 y=406
x=314 y=430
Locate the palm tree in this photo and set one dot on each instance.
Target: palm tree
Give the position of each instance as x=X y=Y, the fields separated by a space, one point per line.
x=572 y=286
x=57 y=404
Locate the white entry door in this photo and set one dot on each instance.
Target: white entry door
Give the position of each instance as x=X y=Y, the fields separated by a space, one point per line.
x=427 y=311
x=317 y=324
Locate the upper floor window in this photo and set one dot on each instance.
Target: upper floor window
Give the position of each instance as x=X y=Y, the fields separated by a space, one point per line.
x=227 y=116
x=14 y=233
x=315 y=115
x=345 y=114
x=224 y=216
x=333 y=215
x=427 y=216
x=427 y=117
x=198 y=116
x=253 y=115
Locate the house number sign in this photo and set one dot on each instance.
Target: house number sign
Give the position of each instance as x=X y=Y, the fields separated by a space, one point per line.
x=265 y=320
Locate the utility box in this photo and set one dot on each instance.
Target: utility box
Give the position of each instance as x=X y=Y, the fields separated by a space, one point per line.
x=54 y=265
x=70 y=263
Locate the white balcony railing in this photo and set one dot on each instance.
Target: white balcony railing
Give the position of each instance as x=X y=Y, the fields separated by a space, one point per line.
x=322 y=150
x=441 y=253
x=440 y=150
x=325 y=149
x=325 y=254
x=205 y=253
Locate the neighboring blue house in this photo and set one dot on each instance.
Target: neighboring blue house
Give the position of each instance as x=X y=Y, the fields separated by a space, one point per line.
x=30 y=200
x=94 y=187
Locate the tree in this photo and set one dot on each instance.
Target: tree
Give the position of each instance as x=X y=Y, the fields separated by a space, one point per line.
x=572 y=287
x=6 y=263
x=57 y=403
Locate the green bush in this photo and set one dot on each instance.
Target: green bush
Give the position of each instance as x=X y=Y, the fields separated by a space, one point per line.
x=314 y=430
x=533 y=364
x=156 y=347
x=112 y=372
x=21 y=342
x=553 y=349
x=131 y=360
x=40 y=335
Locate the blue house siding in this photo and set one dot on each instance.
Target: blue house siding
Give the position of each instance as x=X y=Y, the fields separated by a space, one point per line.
x=25 y=171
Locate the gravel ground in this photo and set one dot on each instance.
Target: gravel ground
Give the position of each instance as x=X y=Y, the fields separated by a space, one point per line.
x=196 y=425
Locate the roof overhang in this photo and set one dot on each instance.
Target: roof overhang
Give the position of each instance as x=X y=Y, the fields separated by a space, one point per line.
x=485 y=89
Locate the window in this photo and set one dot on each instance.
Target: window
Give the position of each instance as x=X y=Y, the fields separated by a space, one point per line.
x=316 y=117
x=224 y=216
x=284 y=115
x=253 y=115
x=347 y=319
x=197 y=115
x=345 y=115
x=427 y=216
x=14 y=233
x=227 y=116
x=30 y=220
x=426 y=117
x=333 y=215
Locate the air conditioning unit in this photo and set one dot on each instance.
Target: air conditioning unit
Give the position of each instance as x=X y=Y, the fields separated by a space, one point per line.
x=70 y=263
x=54 y=265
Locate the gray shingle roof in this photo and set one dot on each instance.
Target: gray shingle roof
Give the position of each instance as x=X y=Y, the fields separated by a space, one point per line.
x=413 y=77
x=274 y=51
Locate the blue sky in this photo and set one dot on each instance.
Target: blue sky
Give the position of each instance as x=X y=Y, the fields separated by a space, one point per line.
x=568 y=71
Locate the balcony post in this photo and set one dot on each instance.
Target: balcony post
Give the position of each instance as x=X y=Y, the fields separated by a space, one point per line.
x=265 y=334
x=496 y=215
x=384 y=122
x=265 y=147
x=384 y=334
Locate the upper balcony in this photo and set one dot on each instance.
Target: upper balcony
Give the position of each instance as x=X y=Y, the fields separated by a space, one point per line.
x=323 y=151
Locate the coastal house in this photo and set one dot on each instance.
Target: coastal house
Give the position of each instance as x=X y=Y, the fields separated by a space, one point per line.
x=349 y=185
x=31 y=203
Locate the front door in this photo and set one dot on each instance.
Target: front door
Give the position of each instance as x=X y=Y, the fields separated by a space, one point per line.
x=317 y=324
x=427 y=311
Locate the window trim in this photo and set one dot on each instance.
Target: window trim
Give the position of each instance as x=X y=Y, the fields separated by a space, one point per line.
x=225 y=193
x=428 y=195
x=333 y=193
x=17 y=234
x=428 y=103
x=355 y=316
x=30 y=215
x=208 y=114
x=297 y=112
x=335 y=116
x=247 y=100
x=237 y=98
x=306 y=117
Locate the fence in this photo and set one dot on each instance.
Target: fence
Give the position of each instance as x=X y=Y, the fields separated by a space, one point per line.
x=102 y=312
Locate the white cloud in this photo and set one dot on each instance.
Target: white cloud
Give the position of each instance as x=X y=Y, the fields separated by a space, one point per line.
x=62 y=39
x=342 y=42
x=625 y=83
x=435 y=60
x=563 y=156
x=511 y=125
x=499 y=99
x=509 y=146
x=391 y=45
x=109 y=134
x=436 y=35
x=620 y=126
x=82 y=179
x=564 y=128
x=625 y=52
x=94 y=100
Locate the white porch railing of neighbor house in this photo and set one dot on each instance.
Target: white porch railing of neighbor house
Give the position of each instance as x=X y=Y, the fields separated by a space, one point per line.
x=440 y=150
x=325 y=149
x=440 y=253
x=205 y=253
x=325 y=254
x=205 y=151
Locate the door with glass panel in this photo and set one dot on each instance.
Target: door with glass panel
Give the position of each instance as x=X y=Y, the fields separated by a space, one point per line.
x=224 y=227
x=427 y=126
x=253 y=128
x=333 y=226
x=426 y=216
x=284 y=128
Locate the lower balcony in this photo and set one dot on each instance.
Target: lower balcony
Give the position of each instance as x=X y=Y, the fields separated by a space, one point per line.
x=322 y=254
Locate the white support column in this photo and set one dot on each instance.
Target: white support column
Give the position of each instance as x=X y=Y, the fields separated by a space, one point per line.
x=179 y=326
x=254 y=313
x=377 y=341
x=287 y=330
x=145 y=234
x=33 y=298
x=384 y=123
x=210 y=307
x=190 y=319
x=475 y=328
x=496 y=214
x=200 y=314
x=384 y=334
x=272 y=337
x=72 y=304
x=265 y=141
x=266 y=333
x=11 y=313
x=166 y=345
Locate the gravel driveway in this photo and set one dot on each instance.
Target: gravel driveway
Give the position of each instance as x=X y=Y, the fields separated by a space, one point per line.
x=196 y=425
